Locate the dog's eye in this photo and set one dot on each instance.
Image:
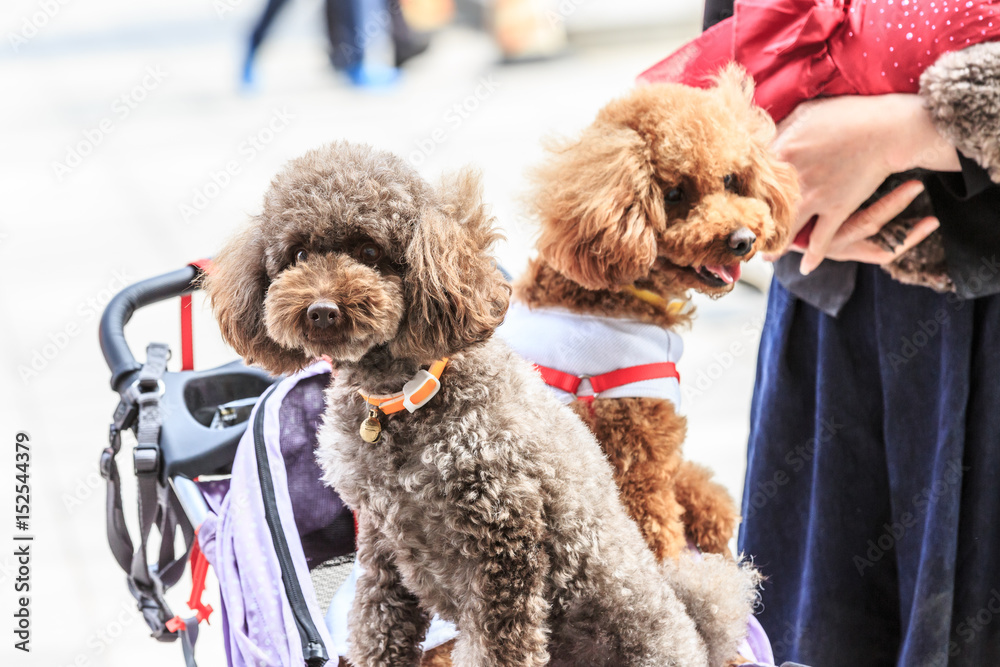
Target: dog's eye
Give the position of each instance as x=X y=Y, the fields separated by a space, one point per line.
x=675 y=195
x=731 y=183
x=369 y=252
x=301 y=256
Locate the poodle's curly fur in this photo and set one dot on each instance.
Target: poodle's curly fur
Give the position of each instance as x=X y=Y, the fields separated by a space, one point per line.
x=605 y=223
x=604 y=199
x=493 y=505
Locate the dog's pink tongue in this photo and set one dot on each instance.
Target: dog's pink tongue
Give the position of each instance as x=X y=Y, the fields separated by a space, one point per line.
x=728 y=273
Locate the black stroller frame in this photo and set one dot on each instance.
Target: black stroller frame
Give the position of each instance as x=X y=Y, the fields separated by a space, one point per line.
x=169 y=453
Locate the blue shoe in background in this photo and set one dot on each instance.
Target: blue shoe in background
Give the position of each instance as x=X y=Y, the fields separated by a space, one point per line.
x=372 y=76
x=248 y=79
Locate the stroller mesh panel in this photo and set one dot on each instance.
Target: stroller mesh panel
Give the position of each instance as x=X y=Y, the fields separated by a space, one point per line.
x=327 y=577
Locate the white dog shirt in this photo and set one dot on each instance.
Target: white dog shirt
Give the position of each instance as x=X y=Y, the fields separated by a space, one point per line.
x=590 y=345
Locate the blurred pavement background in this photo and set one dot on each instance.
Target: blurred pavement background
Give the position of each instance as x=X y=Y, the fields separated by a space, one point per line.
x=121 y=124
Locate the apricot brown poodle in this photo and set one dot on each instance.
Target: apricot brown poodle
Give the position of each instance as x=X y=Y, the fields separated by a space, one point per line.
x=485 y=500
x=668 y=191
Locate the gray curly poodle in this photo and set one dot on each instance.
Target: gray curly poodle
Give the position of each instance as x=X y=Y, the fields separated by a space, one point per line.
x=491 y=505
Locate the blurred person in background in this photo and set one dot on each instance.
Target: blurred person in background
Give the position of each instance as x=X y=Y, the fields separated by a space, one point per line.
x=362 y=34
x=527 y=30
x=371 y=39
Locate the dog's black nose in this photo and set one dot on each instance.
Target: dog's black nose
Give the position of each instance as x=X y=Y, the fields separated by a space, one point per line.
x=741 y=241
x=322 y=314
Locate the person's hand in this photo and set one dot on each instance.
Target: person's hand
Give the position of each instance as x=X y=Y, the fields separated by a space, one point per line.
x=850 y=242
x=843 y=148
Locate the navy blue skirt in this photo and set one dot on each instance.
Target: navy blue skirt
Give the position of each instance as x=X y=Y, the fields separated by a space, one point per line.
x=872 y=497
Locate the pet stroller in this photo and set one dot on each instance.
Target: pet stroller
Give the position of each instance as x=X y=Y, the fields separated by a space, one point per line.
x=225 y=457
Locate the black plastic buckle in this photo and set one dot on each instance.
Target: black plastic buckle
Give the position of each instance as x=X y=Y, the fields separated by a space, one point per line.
x=107 y=458
x=124 y=414
x=152 y=612
x=146 y=460
x=148 y=393
x=148 y=385
x=141 y=392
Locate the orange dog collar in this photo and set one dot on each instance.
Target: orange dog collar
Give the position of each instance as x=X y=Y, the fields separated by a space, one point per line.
x=416 y=393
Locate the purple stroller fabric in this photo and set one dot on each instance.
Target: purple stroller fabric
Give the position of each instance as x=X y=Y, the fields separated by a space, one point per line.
x=325 y=525
x=757 y=646
x=259 y=627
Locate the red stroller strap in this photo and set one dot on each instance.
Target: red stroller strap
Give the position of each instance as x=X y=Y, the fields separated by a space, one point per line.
x=199 y=571
x=187 y=331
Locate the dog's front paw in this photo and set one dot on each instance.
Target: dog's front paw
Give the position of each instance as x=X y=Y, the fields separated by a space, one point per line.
x=893 y=233
x=923 y=265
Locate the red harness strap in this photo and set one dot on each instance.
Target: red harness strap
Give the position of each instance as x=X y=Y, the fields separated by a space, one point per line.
x=558 y=379
x=605 y=381
x=187 y=333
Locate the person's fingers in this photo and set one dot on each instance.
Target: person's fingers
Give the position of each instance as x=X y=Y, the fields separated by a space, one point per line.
x=869 y=252
x=802 y=224
x=860 y=225
x=920 y=231
x=826 y=226
x=864 y=252
x=811 y=201
x=798 y=242
x=868 y=221
x=775 y=256
x=801 y=240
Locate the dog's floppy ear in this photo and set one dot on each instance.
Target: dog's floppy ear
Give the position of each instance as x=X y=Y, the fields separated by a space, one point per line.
x=594 y=199
x=237 y=285
x=770 y=179
x=456 y=295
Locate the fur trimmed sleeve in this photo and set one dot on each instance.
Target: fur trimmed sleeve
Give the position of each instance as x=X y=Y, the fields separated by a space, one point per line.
x=962 y=92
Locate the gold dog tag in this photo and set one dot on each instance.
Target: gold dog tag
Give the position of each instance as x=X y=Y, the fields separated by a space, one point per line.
x=371 y=429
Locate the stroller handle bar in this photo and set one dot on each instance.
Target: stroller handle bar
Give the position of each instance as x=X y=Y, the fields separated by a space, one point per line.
x=119 y=311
